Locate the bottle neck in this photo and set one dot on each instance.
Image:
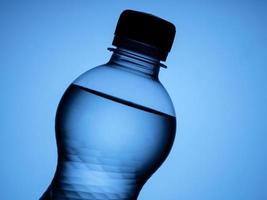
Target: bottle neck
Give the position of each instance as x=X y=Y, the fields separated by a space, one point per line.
x=135 y=62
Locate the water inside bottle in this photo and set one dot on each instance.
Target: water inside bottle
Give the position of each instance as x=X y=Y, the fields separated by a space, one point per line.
x=107 y=147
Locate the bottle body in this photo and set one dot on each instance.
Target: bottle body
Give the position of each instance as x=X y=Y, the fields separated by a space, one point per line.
x=111 y=141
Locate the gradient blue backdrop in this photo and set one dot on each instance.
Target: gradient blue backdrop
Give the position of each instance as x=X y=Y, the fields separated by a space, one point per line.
x=217 y=78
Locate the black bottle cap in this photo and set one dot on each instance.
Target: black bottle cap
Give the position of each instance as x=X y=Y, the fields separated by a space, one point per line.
x=144 y=33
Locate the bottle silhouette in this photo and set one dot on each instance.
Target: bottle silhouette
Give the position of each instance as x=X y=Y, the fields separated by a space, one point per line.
x=115 y=124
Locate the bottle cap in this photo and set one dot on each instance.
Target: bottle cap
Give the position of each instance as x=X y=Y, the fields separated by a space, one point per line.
x=144 y=33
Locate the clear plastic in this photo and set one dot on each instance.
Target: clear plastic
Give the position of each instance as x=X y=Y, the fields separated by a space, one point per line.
x=115 y=126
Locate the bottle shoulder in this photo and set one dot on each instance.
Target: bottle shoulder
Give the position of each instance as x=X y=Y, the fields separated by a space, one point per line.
x=129 y=86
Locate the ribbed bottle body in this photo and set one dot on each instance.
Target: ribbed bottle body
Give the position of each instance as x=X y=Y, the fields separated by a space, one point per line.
x=107 y=147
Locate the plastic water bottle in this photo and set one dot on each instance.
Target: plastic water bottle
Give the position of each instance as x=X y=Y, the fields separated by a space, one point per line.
x=115 y=124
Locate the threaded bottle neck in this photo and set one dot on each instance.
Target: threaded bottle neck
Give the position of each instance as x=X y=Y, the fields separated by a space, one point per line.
x=136 y=62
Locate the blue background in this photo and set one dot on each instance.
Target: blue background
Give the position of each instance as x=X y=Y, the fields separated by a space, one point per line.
x=217 y=78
